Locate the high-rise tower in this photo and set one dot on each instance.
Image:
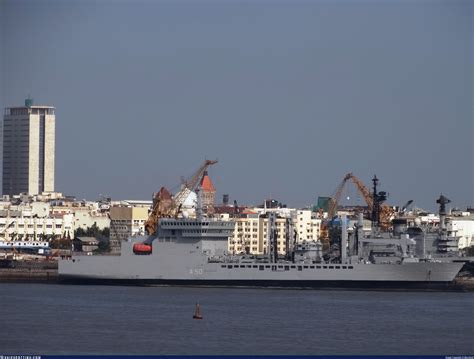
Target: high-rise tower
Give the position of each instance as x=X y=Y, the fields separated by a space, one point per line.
x=28 y=149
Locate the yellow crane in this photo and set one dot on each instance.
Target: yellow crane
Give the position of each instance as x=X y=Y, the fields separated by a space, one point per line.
x=386 y=212
x=334 y=201
x=165 y=205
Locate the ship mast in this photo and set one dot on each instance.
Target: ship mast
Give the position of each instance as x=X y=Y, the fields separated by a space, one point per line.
x=199 y=210
x=272 y=238
x=377 y=198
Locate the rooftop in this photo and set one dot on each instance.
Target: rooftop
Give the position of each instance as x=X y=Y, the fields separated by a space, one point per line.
x=34 y=106
x=206 y=183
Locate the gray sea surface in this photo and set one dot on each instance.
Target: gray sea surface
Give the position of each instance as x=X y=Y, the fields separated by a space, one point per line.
x=69 y=319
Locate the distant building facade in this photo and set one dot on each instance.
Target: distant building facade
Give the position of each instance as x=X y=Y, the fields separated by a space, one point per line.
x=464 y=228
x=17 y=225
x=28 y=149
x=308 y=225
x=126 y=222
x=251 y=230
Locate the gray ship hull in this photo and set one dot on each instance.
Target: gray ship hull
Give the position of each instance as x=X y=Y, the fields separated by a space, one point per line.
x=184 y=263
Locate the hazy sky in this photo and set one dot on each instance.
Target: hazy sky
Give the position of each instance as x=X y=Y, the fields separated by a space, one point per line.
x=288 y=95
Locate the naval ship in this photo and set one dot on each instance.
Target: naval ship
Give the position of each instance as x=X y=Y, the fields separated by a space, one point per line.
x=187 y=251
x=194 y=251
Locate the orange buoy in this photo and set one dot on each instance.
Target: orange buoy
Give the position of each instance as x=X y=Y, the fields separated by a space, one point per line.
x=197 y=312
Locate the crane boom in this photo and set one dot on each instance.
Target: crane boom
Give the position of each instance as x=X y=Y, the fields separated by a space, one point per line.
x=360 y=187
x=190 y=185
x=166 y=206
x=386 y=212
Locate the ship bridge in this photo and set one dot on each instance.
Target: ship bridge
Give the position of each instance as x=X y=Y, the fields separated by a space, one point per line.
x=194 y=228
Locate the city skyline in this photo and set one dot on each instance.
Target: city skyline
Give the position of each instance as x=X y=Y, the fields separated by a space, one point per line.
x=288 y=97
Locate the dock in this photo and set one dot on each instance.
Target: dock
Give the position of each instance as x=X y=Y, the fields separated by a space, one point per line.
x=30 y=271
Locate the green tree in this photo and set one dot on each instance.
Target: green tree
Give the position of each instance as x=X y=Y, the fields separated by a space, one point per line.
x=80 y=232
x=102 y=235
x=103 y=246
x=93 y=231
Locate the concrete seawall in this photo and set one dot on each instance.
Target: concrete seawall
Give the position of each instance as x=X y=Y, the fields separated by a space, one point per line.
x=25 y=275
x=29 y=271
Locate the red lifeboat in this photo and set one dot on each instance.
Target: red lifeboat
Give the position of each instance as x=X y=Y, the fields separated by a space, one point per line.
x=142 y=248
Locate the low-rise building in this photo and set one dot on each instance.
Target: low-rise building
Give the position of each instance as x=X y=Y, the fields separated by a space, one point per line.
x=86 y=219
x=22 y=227
x=88 y=244
x=86 y=213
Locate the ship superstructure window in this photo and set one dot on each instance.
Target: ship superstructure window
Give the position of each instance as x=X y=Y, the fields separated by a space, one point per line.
x=287 y=267
x=261 y=267
x=229 y=266
x=351 y=267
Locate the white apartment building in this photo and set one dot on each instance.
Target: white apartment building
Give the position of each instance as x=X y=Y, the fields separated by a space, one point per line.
x=307 y=225
x=251 y=230
x=28 y=149
x=36 y=228
x=247 y=233
x=86 y=213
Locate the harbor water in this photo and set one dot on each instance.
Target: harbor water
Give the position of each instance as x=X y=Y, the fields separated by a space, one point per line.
x=62 y=319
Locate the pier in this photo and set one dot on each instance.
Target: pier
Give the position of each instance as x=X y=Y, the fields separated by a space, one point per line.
x=30 y=271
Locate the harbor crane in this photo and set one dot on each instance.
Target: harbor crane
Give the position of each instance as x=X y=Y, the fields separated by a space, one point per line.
x=167 y=206
x=379 y=211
